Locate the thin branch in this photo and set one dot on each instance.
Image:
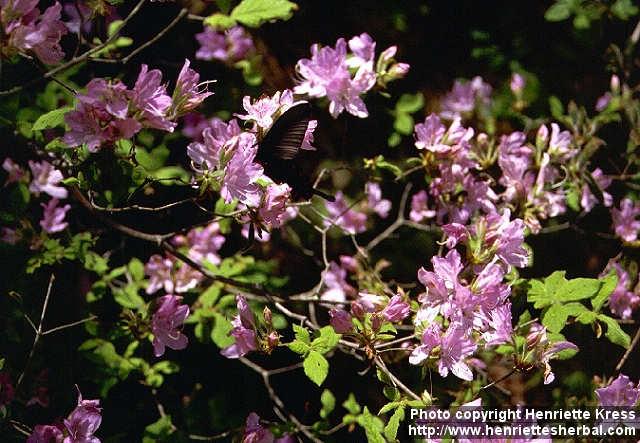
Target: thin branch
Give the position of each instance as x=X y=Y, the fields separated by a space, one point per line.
x=395 y=380
x=623 y=360
x=183 y=12
x=70 y=325
x=398 y=223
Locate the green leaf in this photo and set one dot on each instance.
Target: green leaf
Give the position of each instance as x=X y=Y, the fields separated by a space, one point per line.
x=327 y=341
x=555 y=105
x=559 y=11
x=136 y=269
x=609 y=283
x=351 y=404
x=394 y=140
x=316 y=367
x=391 y=429
x=372 y=425
x=302 y=334
x=219 y=21
x=555 y=318
x=403 y=123
x=537 y=294
x=328 y=401
x=299 y=347
x=624 y=9
x=220 y=332
x=614 y=333
x=128 y=297
x=410 y=103
x=253 y=13
x=578 y=289
x=158 y=431
x=51 y=119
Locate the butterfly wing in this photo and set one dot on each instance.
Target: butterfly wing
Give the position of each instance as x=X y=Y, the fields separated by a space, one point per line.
x=284 y=139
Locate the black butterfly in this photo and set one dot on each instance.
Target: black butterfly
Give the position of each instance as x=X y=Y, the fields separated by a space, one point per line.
x=281 y=155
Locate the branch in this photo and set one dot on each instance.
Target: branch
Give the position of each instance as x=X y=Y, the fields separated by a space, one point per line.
x=396 y=224
x=623 y=360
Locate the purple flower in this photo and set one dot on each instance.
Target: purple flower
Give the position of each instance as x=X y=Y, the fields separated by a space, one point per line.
x=241 y=173
x=419 y=209
x=603 y=101
x=507 y=237
x=150 y=98
x=207 y=154
x=254 y=432
x=46 y=179
x=366 y=303
x=397 y=309
x=463 y=97
x=587 y=199
x=16 y=173
x=431 y=338
x=622 y=300
x=159 y=270
x=230 y=46
x=624 y=220
x=243 y=331
x=363 y=48
x=101 y=116
x=353 y=222
x=46 y=434
x=559 y=144
x=455 y=347
x=500 y=328
x=83 y=421
x=375 y=202
x=340 y=321
x=433 y=136
x=326 y=74
x=544 y=351
x=619 y=392
x=166 y=323
x=443 y=281
x=53 y=217
x=335 y=279
x=28 y=30
x=272 y=210
x=188 y=93
x=205 y=243
x=10 y=236
x=517 y=83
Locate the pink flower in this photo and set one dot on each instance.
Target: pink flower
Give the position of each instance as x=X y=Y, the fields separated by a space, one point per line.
x=559 y=144
x=46 y=179
x=28 y=30
x=83 y=422
x=363 y=48
x=230 y=46
x=46 y=434
x=587 y=199
x=150 y=97
x=263 y=109
x=241 y=174
x=16 y=173
x=188 y=93
x=243 y=331
x=159 y=270
x=340 y=321
x=455 y=347
x=375 y=202
x=419 y=209
x=207 y=153
x=544 y=351
x=397 y=309
x=517 y=83
x=433 y=136
x=464 y=96
x=507 y=237
x=619 y=392
x=10 y=236
x=166 y=322
x=335 y=280
x=603 y=101
x=272 y=210
x=622 y=301
x=624 y=220
x=430 y=339
x=500 y=328
x=205 y=243
x=53 y=217
x=342 y=215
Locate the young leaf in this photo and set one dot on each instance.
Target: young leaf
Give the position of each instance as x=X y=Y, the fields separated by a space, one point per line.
x=253 y=13
x=327 y=341
x=51 y=119
x=328 y=401
x=614 y=333
x=316 y=367
x=391 y=430
x=609 y=283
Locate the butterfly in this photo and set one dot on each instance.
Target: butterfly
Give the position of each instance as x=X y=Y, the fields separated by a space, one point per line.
x=281 y=156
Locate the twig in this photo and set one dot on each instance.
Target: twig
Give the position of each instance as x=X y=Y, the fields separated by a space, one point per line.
x=277 y=400
x=69 y=325
x=624 y=358
x=38 y=332
x=183 y=12
x=396 y=381
x=395 y=225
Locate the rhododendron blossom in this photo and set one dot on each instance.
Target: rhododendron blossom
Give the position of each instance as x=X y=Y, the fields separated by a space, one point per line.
x=166 y=323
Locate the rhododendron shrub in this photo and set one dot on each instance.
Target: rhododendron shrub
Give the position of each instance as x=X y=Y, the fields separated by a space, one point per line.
x=477 y=246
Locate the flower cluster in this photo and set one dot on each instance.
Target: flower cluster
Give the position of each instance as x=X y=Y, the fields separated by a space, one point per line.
x=79 y=427
x=352 y=218
x=343 y=76
x=619 y=392
x=26 y=29
x=109 y=111
x=228 y=46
